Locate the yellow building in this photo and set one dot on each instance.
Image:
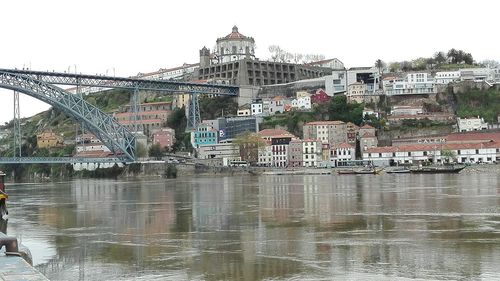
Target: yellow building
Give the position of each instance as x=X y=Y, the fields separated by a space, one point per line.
x=48 y=140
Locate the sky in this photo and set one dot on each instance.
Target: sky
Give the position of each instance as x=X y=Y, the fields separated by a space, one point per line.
x=127 y=37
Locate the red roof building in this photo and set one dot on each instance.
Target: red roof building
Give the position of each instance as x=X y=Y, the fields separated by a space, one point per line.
x=320 y=97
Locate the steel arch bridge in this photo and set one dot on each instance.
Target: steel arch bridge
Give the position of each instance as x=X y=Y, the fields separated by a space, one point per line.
x=41 y=85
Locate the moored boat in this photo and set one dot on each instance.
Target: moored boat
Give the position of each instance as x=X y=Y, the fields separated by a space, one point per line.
x=398 y=171
x=364 y=171
x=447 y=169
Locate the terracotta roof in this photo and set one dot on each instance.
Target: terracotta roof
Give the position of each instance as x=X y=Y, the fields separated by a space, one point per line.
x=153 y=103
x=95 y=153
x=143 y=112
x=366 y=126
x=343 y=145
x=474 y=136
x=325 y=123
x=235 y=34
x=432 y=147
x=147 y=121
x=368 y=135
x=274 y=132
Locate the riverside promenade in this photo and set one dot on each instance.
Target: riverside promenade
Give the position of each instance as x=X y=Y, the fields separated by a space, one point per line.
x=12 y=265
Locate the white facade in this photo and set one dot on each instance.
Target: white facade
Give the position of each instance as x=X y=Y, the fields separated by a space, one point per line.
x=302 y=103
x=311 y=153
x=462 y=153
x=244 y=112
x=471 y=124
x=235 y=47
x=407 y=110
x=342 y=153
x=368 y=111
x=93 y=166
x=257 y=108
x=445 y=77
x=92 y=147
x=474 y=74
x=336 y=82
x=266 y=156
x=356 y=92
x=414 y=83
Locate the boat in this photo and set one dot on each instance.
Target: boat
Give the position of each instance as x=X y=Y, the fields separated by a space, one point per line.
x=446 y=169
x=364 y=171
x=398 y=171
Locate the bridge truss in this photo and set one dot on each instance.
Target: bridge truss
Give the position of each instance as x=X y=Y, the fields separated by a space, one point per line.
x=42 y=85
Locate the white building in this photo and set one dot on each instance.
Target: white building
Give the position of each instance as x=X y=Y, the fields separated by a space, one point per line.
x=311 y=153
x=488 y=152
x=414 y=83
x=302 y=103
x=369 y=111
x=341 y=153
x=336 y=82
x=369 y=76
x=356 y=92
x=330 y=63
x=244 y=110
x=406 y=110
x=475 y=74
x=445 y=77
x=266 y=155
x=234 y=47
x=471 y=124
x=257 y=107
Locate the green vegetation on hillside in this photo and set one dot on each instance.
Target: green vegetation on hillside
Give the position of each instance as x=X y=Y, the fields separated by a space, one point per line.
x=336 y=109
x=110 y=100
x=483 y=103
x=211 y=108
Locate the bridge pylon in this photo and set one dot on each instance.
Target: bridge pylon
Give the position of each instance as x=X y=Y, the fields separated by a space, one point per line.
x=193 y=114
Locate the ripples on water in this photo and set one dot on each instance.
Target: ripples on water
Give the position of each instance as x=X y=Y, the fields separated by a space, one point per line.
x=388 y=227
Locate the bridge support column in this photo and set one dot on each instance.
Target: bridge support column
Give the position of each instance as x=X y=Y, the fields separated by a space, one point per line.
x=17 y=126
x=136 y=108
x=194 y=113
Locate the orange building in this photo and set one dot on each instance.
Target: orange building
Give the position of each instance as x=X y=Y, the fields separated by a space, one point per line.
x=48 y=140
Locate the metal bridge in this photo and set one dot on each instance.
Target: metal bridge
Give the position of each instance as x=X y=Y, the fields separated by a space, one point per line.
x=42 y=85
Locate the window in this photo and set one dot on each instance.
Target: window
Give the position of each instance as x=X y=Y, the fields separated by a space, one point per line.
x=477 y=151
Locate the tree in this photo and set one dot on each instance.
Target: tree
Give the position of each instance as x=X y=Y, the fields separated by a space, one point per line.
x=214 y=107
x=490 y=63
x=419 y=64
x=448 y=155
x=439 y=57
x=380 y=65
x=452 y=55
x=394 y=66
x=277 y=53
x=178 y=122
x=249 y=145
x=140 y=150
x=156 y=151
x=468 y=58
x=406 y=66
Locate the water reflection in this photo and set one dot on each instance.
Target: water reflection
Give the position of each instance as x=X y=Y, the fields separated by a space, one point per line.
x=267 y=227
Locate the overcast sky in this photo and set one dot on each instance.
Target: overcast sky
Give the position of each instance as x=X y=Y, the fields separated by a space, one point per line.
x=126 y=37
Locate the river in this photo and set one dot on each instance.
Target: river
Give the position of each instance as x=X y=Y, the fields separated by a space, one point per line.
x=322 y=227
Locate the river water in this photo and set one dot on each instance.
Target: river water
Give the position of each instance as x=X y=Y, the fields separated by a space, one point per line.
x=326 y=227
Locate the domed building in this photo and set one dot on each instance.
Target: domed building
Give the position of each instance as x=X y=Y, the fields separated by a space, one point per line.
x=233 y=62
x=235 y=46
